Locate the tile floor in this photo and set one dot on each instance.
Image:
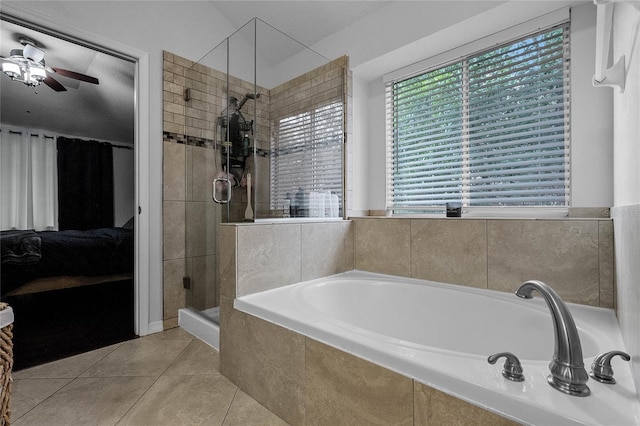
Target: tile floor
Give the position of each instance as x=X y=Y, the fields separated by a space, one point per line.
x=168 y=378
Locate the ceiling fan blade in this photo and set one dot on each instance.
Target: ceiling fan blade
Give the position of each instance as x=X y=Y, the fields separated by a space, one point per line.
x=76 y=75
x=54 y=84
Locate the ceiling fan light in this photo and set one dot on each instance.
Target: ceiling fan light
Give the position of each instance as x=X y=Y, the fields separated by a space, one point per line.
x=38 y=74
x=33 y=53
x=11 y=69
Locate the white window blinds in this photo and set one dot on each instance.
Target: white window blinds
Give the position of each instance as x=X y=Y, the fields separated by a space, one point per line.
x=306 y=162
x=489 y=130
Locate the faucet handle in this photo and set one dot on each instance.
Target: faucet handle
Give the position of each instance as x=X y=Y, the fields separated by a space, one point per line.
x=512 y=369
x=601 y=370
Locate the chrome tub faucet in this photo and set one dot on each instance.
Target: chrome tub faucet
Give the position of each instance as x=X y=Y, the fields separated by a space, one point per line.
x=568 y=374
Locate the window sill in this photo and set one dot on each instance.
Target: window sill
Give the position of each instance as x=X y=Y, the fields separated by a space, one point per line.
x=530 y=213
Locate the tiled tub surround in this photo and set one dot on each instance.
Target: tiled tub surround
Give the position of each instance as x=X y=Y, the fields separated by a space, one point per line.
x=574 y=255
x=389 y=321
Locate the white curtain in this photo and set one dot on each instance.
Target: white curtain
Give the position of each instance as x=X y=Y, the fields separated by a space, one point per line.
x=28 y=180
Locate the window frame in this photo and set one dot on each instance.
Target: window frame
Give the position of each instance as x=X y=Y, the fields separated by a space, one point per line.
x=482 y=211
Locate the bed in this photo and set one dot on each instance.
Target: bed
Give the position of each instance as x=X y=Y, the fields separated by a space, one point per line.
x=37 y=261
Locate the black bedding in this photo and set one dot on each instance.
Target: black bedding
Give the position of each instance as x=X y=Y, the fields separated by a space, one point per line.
x=94 y=252
x=20 y=247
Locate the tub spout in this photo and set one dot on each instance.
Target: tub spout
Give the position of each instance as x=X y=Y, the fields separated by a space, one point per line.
x=568 y=374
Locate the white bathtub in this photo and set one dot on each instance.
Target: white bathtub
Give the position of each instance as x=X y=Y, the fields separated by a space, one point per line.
x=441 y=335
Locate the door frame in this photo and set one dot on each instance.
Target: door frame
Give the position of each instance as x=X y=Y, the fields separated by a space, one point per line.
x=141 y=145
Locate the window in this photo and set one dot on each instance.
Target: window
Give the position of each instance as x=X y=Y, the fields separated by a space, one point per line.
x=491 y=129
x=306 y=162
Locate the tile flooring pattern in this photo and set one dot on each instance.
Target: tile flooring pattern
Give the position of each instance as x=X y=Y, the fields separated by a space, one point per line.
x=168 y=378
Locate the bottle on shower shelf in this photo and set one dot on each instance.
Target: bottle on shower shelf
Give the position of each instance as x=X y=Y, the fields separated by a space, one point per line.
x=246 y=143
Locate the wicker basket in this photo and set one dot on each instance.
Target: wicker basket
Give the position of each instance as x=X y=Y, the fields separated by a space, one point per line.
x=6 y=366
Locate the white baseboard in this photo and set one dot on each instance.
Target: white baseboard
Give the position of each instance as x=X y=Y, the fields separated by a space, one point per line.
x=156 y=327
x=199 y=326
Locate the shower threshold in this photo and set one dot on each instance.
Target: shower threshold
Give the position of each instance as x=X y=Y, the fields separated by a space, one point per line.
x=205 y=325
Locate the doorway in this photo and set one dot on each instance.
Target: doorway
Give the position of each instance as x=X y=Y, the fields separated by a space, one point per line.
x=65 y=104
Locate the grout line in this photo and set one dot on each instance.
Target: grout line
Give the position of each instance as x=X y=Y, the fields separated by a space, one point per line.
x=71 y=380
x=235 y=394
x=154 y=382
x=486 y=248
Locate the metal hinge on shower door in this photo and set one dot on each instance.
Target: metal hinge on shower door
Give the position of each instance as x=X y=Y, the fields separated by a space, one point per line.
x=186 y=282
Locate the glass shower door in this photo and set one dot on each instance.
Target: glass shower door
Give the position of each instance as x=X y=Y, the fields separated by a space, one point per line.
x=264 y=127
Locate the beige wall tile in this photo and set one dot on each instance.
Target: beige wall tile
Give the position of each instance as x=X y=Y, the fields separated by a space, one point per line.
x=170 y=323
x=261 y=183
x=173 y=170
x=563 y=254
x=383 y=245
x=189 y=173
x=201 y=228
x=173 y=220
x=325 y=249
x=350 y=254
x=345 y=390
x=274 y=368
x=268 y=257
x=204 y=288
x=205 y=169
x=432 y=407
x=592 y=212
x=606 y=263
x=173 y=291
x=450 y=250
x=227 y=260
x=232 y=349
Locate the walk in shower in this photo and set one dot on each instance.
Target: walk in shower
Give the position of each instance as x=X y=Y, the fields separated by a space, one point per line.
x=265 y=120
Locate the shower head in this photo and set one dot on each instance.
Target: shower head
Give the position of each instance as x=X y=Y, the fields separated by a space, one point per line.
x=247 y=97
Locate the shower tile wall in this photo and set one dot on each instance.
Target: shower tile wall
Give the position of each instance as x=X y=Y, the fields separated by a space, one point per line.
x=189 y=167
x=190 y=218
x=330 y=82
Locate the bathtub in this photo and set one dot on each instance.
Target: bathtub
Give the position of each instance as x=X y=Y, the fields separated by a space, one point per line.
x=441 y=335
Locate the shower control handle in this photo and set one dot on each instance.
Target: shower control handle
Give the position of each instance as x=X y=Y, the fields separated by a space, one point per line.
x=512 y=369
x=213 y=190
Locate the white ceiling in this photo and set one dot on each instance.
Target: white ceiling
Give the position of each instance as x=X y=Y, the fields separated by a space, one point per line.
x=306 y=21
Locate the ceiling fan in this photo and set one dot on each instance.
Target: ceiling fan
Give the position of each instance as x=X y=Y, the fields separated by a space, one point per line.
x=27 y=66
